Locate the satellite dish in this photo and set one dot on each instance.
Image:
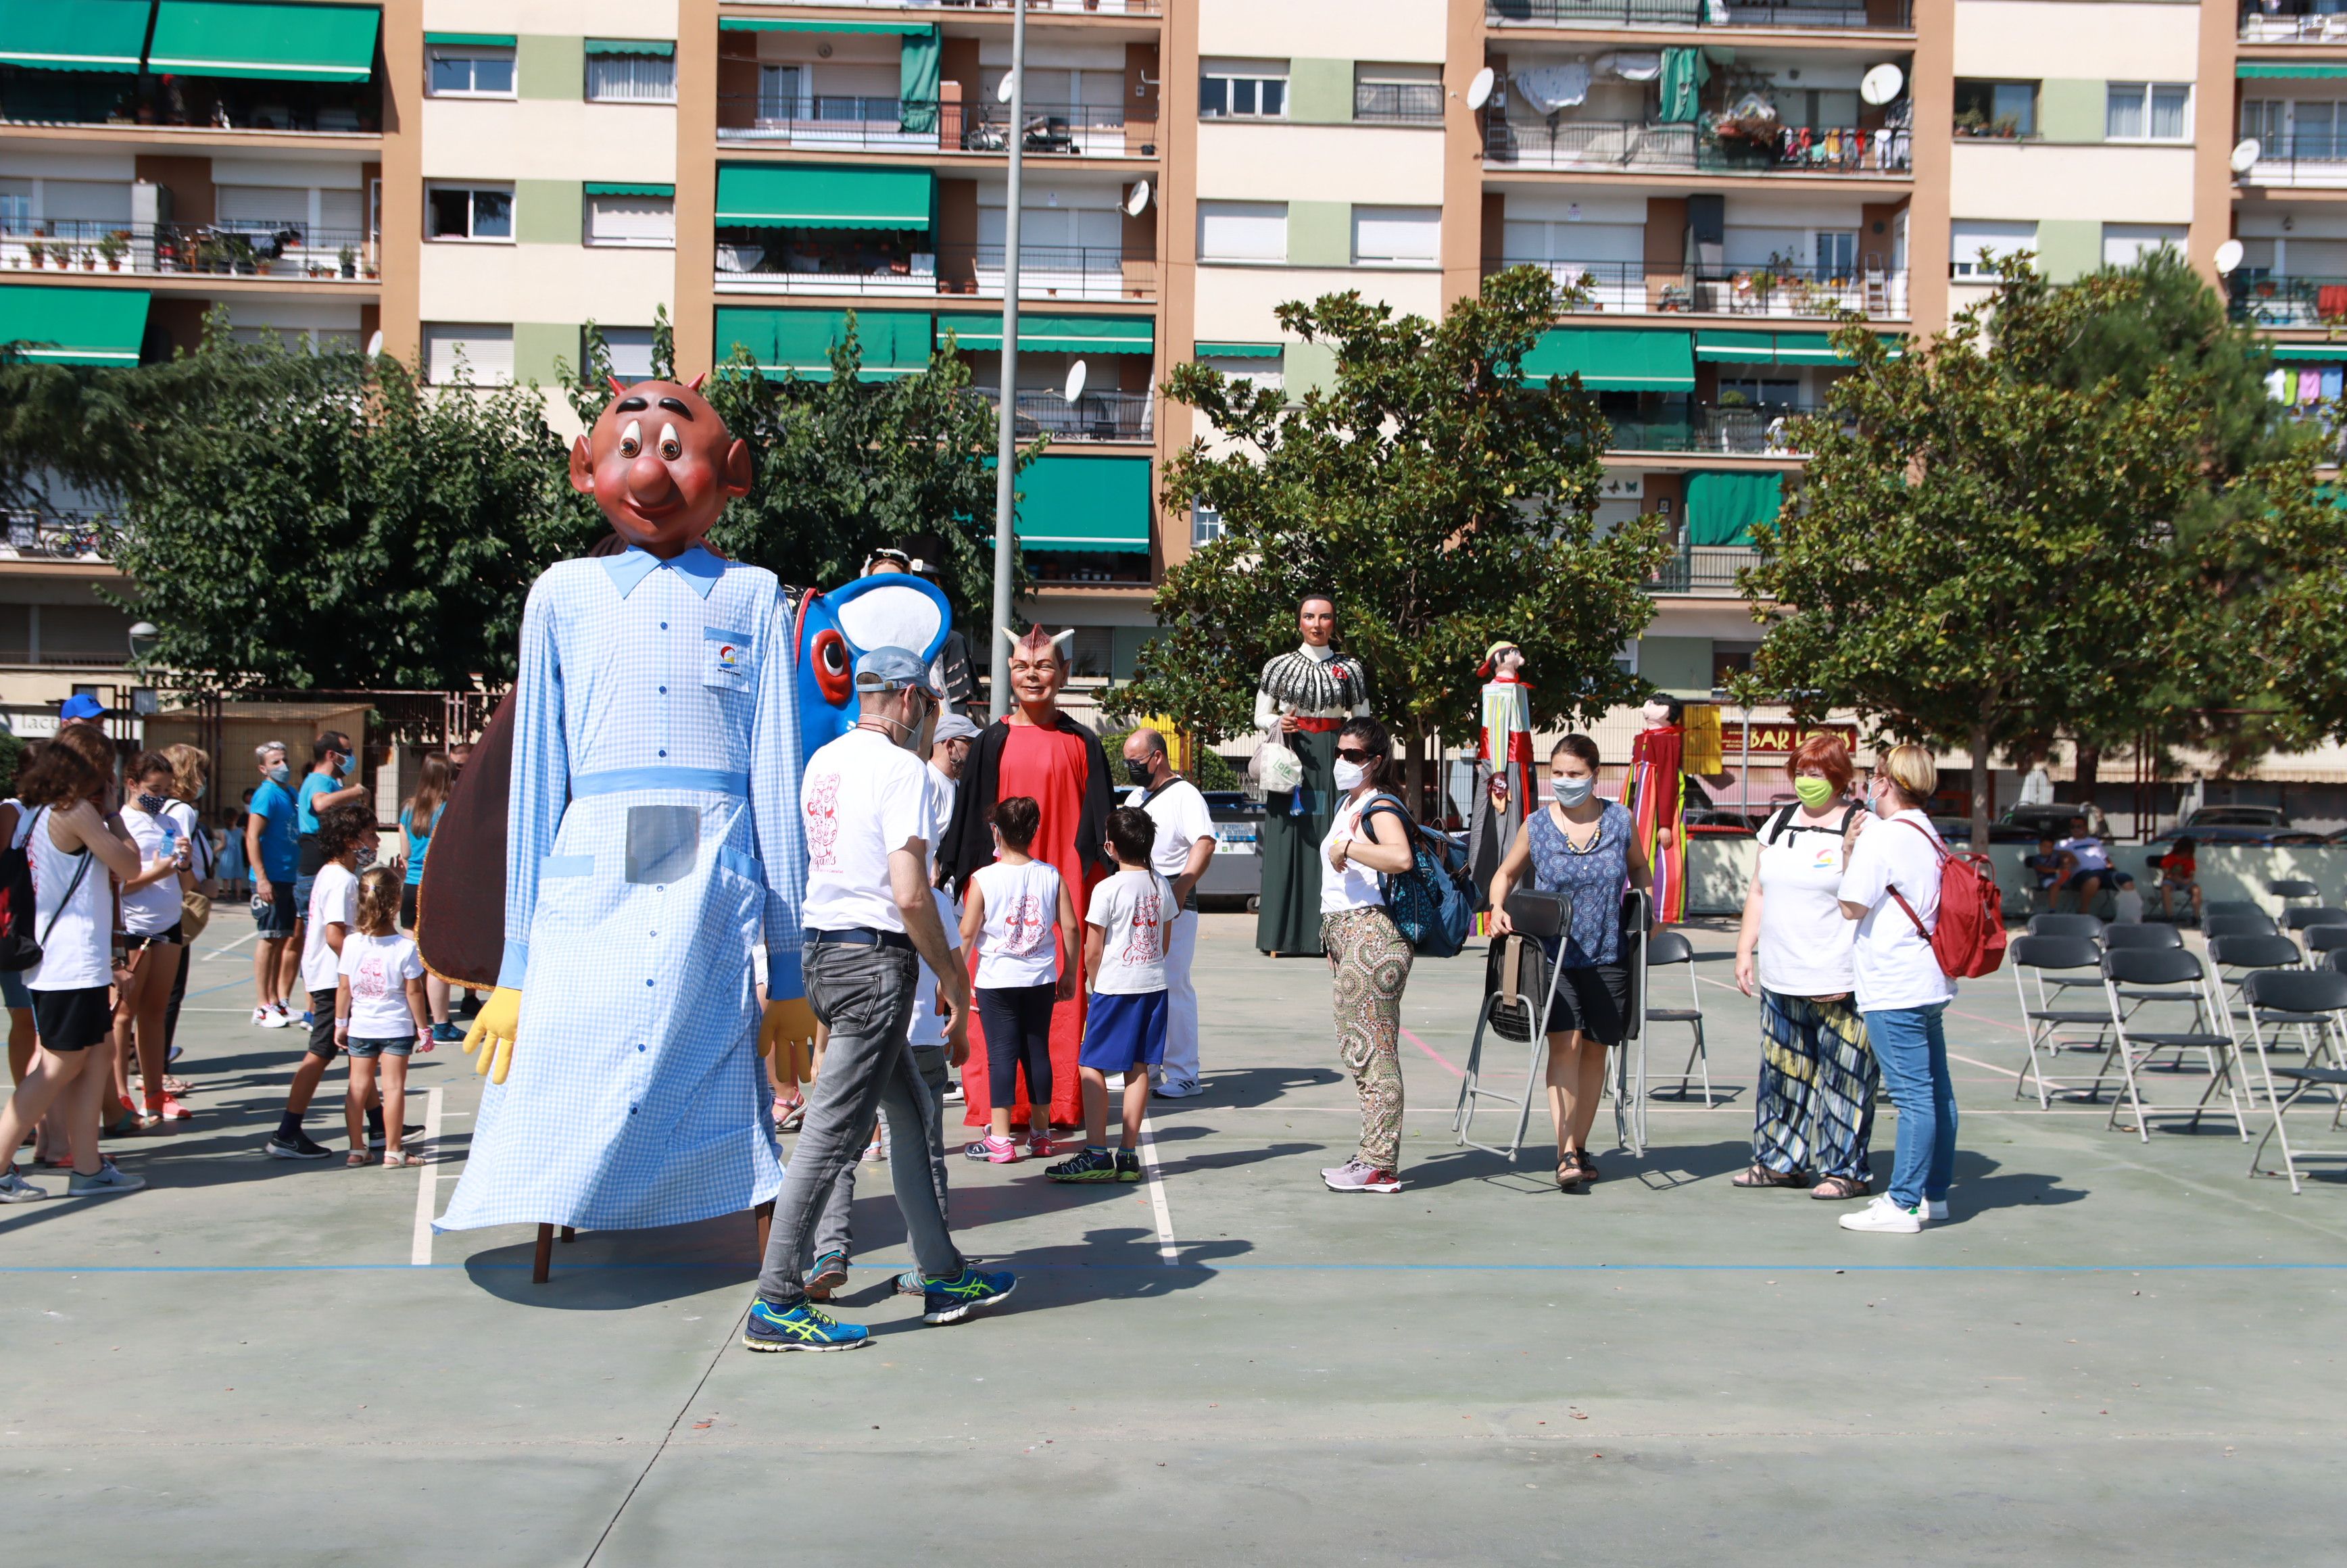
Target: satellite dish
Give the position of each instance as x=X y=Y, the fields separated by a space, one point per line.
x=1138 y=202
x=2229 y=255
x=1479 y=91
x=1075 y=387
x=1881 y=85
x=374 y=346
x=1002 y=93
x=2246 y=153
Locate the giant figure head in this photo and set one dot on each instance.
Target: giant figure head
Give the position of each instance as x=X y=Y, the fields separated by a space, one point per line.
x=886 y=609
x=1039 y=670
x=661 y=464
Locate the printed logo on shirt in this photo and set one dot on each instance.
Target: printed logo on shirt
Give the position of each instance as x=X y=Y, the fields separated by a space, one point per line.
x=1144 y=938
x=823 y=822
x=1023 y=926
x=370 y=984
x=1827 y=857
x=726 y=664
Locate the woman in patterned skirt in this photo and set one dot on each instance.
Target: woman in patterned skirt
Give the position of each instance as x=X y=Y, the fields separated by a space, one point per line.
x=1367 y=957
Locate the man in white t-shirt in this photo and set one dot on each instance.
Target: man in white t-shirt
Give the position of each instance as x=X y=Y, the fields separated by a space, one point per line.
x=1185 y=842
x=948 y=750
x=870 y=919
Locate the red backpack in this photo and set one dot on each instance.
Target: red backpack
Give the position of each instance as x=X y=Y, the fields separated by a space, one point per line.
x=1969 y=938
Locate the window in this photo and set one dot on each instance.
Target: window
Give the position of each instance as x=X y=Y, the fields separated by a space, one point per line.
x=1759 y=392
x=630 y=351
x=1837 y=253
x=2124 y=244
x=2300 y=129
x=781 y=90
x=1243 y=90
x=1205 y=525
x=468 y=355
x=1968 y=236
x=1996 y=109
x=1248 y=371
x=1397 y=95
x=631 y=218
x=630 y=78
x=1242 y=230
x=471 y=71
x=2147 y=112
x=15 y=206
x=1405 y=234
x=469 y=212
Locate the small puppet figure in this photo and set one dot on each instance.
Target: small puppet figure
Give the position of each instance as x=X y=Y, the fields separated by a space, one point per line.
x=1658 y=802
x=1503 y=762
x=651 y=837
x=1302 y=700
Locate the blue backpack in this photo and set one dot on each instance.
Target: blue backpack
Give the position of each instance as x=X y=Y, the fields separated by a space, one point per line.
x=1432 y=904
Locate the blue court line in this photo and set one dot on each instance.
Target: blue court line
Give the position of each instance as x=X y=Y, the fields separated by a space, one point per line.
x=1152 y=1267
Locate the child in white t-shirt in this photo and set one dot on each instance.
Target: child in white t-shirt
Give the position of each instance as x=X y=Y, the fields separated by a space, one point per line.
x=1013 y=911
x=381 y=1012
x=1127 y=931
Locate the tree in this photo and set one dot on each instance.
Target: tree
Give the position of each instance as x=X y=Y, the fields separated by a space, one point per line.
x=1443 y=498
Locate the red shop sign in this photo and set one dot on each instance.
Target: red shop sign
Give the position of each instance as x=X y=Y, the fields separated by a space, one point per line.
x=1782 y=739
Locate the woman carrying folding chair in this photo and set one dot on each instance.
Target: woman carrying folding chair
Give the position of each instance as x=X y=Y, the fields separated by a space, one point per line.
x=1814 y=1111
x=1585 y=848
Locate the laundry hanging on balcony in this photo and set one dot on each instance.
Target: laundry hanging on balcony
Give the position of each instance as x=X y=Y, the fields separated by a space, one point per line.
x=918 y=74
x=1685 y=72
x=1630 y=65
x=1549 y=89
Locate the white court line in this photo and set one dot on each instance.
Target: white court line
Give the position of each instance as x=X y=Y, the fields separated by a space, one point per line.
x=225 y=949
x=1167 y=1250
x=427 y=1185
x=1953 y=1056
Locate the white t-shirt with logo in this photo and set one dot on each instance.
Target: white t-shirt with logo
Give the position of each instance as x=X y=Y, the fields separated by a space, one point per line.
x=153 y=910
x=1891 y=963
x=1134 y=910
x=927 y=1026
x=864 y=797
x=1180 y=812
x=1805 y=942
x=1018 y=945
x=379 y=968
x=334 y=900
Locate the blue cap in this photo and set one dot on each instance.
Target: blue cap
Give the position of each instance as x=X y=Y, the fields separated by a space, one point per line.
x=80 y=705
x=894 y=669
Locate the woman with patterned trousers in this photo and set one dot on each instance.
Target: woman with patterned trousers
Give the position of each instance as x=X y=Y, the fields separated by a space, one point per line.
x=1367 y=957
x=1815 y=1113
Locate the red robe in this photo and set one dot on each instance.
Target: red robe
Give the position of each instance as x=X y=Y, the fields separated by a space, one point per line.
x=1053 y=767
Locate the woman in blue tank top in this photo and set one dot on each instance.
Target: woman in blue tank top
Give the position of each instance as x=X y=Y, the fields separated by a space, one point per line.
x=417 y=819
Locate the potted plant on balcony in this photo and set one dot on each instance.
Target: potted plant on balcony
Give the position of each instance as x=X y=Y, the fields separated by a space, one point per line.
x=36 y=253
x=348 y=259
x=112 y=246
x=86 y=256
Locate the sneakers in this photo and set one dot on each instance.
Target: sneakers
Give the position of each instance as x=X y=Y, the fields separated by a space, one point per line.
x=994 y=1151
x=801 y=1327
x=1039 y=1146
x=830 y=1274
x=1884 y=1215
x=952 y=1300
x=1128 y=1165
x=301 y=1146
x=909 y=1283
x=1173 y=1088
x=447 y=1034
x=1357 y=1176
x=110 y=1178
x=954 y=1095
x=169 y=1109
x=15 y=1189
x=1088 y=1165
x=272 y=1017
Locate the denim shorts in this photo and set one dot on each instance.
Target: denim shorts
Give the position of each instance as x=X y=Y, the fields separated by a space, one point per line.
x=373 y=1048
x=12 y=994
x=275 y=921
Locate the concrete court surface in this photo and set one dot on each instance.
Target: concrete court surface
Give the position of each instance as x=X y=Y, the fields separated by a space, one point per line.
x=2114 y=1353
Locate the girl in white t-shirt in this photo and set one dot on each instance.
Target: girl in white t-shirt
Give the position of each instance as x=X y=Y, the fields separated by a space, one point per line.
x=151 y=910
x=381 y=1013
x=1019 y=921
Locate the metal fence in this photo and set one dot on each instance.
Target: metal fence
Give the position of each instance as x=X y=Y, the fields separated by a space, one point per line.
x=1398 y=103
x=1757 y=430
x=2266 y=299
x=1633 y=288
x=2307 y=158
x=1094 y=417
x=762 y=261
x=226 y=249
x=1098 y=8
x=1895 y=15
x=1636 y=145
x=1702 y=570
x=909 y=125
x=53 y=536
x=2292 y=22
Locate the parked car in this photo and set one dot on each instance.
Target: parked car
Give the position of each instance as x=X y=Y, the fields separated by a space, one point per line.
x=2258 y=819
x=1718 y=822
x=1233 y=876
x=2029 y=824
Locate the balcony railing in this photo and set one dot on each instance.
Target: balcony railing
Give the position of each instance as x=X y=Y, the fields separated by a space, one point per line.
x=79 y=247
x=758 y=262
x=912 y=125
x=2311 y=158
x=2263 y=299
x=2294 y=22
x=1398 y=103
x=52 y=535
x=1631 y=288
x=203 y=103
x=1756 y=430
x=1604 y=145
x=1894 y=15
x=1097 y=7
x=1705 y=572
x=1094 y=417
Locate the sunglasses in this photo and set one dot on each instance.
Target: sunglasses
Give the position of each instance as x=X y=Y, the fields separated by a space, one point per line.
x=1353 y=754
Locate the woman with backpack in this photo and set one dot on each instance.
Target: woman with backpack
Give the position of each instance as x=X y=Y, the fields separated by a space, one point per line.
x=1814 y=1111
x=1368 y=957
x=1587 y=849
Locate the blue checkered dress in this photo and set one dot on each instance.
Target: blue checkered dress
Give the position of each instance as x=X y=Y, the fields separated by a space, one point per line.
x=653 y=838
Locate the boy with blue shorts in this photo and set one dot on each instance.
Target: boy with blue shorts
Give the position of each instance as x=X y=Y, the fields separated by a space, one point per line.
x=1125 y=931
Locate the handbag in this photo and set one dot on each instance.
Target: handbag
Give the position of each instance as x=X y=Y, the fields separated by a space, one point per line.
x=195 y=914
x=1432 y=904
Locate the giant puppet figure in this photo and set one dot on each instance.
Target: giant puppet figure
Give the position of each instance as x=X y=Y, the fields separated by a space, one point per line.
x=651 y=837
x=1503 y=762
x=1302 y=700
x=1658 y=802
x=1041 y=752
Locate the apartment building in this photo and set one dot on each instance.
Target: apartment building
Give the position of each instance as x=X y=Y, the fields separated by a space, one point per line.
x=473 y=180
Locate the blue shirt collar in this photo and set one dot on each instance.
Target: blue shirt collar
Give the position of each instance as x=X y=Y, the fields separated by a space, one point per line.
x=699 y=568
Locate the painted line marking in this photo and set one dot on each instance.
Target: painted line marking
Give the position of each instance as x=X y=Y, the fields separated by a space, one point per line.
x=225 y=949
x=1155 y=1179
x=1226 y=1267
x=1443 y=1060
x=427 y=1184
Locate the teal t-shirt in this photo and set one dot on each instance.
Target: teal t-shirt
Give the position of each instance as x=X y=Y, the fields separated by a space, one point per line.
x=313 y=786
x=419 y=844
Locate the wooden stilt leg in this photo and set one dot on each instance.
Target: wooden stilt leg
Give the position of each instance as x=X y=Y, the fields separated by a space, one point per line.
x=569 y=1233
x=544 y=1262
x=766 y=1212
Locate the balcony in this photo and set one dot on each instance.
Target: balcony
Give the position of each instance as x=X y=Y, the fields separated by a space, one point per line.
x=1751 y=430
x=1702 y=572
x=286 y=250
x=763 y=262
x=1631 y=288
x=897 y=125
x=2294 y=22
x=52 y=537
x=1584 y=146
x=189 y=102
x=2317 y=159
x=1094 y=417
x=2263 y=299
x=1398 y=103
x=1056 y=7
x=1848 y=15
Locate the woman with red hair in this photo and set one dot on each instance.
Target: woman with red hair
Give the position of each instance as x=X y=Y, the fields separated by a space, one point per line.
x=1814 y=1111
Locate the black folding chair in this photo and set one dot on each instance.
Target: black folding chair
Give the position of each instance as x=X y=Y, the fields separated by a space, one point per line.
x=2244 y=923
x=2306 y=916
x=2232 y=907
x=2325 y=938
x=2141 y=936
x=2040 y=964
x=2087 y=926
x=2170 y=976
x=2289 y=888
x=2314 y=1002
x=1666 y=948
x=2235 y=957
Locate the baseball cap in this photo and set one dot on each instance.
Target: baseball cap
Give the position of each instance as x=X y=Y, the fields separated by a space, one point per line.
x=80 y=705
x=894 y=669
x=954 y=727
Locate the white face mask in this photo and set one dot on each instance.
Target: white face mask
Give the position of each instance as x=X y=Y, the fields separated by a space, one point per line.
x=1351 y=775
x=1571 y=791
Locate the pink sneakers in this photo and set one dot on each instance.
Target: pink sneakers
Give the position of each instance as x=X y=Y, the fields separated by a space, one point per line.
x=994 y=1151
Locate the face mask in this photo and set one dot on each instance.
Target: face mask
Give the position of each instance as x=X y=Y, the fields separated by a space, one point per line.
x=152 y=804
x=1351 y=775
x=343 y=767
x=1878 y=797
x=366 y=859
x=1813 y=791
x=1571 y=791
x=281 y=775
x=1137 y=773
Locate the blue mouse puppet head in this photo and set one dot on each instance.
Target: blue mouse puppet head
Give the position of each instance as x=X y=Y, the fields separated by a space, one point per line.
x=887 y=609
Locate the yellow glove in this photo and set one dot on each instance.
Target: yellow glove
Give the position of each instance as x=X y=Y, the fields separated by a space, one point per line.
x=492 y=1031
x=788 y=1028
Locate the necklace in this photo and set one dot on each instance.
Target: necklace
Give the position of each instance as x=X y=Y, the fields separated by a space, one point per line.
x=1565 y=826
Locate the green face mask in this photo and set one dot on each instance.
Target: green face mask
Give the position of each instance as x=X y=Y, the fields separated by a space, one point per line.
x=1814 y=791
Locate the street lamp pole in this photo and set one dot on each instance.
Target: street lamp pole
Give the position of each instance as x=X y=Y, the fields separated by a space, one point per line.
x=1006 y=438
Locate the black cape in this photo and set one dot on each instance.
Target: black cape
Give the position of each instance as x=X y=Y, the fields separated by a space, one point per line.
x=968 y=845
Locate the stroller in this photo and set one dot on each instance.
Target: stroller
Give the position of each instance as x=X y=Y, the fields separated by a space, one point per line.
x=1519 y=988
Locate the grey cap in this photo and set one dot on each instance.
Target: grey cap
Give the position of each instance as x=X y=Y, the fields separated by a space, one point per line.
x=954 y=727
x=894 y=669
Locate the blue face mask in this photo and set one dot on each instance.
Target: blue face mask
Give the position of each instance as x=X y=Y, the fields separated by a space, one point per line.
x=1571 y=791
x=281 y=775
x=342 y=761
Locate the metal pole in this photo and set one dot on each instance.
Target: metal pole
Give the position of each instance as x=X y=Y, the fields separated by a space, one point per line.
x=1006 y=438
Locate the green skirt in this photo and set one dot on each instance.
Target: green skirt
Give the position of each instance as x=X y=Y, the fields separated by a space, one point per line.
x=1294 y=823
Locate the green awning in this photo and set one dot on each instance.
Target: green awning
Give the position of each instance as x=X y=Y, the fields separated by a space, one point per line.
x=2329 y=352
x=2287 y=70
x=1239 y=350
x=813 y=196
x=73 y=326
x=1722 y=507
x=759 y=25
x=73 y=35
x=1085 y=503
x=472 y=40
x=276 y=43
x=663 y=47
x=894 y=342
x=1638 y=359
x=1714 y=346
x=595 y=189
x=1054 y=334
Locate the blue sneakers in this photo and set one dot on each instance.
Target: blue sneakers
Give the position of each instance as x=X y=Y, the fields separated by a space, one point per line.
x=952 y=1300
x=801 y=1328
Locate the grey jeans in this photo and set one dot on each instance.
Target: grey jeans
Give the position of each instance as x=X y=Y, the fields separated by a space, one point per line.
x=865 y=997
x=835 y=1228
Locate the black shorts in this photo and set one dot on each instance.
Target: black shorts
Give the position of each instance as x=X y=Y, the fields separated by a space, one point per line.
x=1594 y=1000
x=74 y=1020
x=132 y=943
x=408 y=906
x=322 y=1025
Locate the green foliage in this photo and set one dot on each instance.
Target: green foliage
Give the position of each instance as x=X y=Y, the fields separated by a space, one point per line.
x=12 y=757
x=1209 y=768
x=1444 y=502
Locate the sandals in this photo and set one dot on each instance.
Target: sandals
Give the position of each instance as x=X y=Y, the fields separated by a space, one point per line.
x=1588 y=1172
x=356 y=1158
x=1833 y=1189
x=1759 y=1175
x=1575 y=1171
x=402 y=1157
x=177 y=1088
x=789 y=1114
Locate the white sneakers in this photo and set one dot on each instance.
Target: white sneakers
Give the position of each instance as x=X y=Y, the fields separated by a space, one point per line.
x=1357 y=1176
x=1171 y=1088
x=272 y=1017
x=1883 y=1215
